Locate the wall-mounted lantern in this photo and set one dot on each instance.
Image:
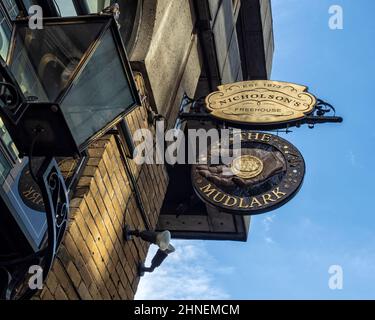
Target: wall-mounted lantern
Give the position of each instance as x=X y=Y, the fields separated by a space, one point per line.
x=74 y=83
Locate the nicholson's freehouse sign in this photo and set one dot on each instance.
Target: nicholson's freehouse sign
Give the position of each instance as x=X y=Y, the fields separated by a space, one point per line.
x=260 y=102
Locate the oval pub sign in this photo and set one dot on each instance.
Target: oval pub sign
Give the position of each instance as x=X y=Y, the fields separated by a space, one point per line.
x=261 y=102
x=266 y=174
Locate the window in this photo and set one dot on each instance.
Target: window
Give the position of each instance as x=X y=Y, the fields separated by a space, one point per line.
x=98 y=5
x=236 y=8
x=65 y=8
x=7 y=142
x=11 y=8
x=29 y=3
x=5 y=34
x=4 y=168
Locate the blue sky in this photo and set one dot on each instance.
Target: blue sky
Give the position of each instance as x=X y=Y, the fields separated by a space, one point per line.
x=332 y=219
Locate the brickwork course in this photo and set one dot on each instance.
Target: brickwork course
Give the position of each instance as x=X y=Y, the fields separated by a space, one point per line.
x=94 y=261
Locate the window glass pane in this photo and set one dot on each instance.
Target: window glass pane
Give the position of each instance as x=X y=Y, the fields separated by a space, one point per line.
x=44 y=61
x=65 y=7
x=11 y=7
x=88 y=109
x=7 y=140
x=5 y=165
x=5 y=34
x=4 y=168
x=29 y=3
x=98 y=5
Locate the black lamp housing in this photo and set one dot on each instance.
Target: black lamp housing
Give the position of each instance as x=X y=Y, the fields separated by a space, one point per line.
x=156 y=262
x=73 y=83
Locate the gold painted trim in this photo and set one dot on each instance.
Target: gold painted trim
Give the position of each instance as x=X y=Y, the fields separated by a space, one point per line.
x=260 y=102
x=247 y=166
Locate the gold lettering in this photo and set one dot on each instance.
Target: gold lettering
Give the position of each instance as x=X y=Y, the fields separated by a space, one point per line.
x=207 y=190
x=227 y=202
x=255 y=201
x=253 y=135
x=29 y=192
x=40 y=202
x=279 y=194
x=267 y=198
x=222 y=198
x=289 y=96
x=34 y=197
x=266 y=138
x=241 y=205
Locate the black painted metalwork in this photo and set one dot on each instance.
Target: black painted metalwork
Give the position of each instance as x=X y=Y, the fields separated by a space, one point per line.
x=11 y=100
x=55 y=196
x=55 y=120
x=81 y=7
x=156 y=262
x=151 y=237
x=28 y=121
x=133 y=183
x=321 y=115
x=22 y=8
x=146 y=235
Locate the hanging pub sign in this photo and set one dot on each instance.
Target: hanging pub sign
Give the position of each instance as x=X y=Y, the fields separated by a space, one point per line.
x=261 y=102
x=266 y=174
x=29 y=191
x=266 y=104
x=28 y=188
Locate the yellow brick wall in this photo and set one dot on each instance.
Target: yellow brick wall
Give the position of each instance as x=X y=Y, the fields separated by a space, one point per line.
x=93 y=261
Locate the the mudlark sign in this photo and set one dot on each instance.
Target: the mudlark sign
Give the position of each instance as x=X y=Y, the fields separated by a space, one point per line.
x=268 y=172
x=261 y=102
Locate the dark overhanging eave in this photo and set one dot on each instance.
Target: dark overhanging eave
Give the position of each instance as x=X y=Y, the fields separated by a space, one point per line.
x=251 y=43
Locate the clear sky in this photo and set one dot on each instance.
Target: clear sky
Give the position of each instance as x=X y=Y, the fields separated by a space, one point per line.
x=332 y=219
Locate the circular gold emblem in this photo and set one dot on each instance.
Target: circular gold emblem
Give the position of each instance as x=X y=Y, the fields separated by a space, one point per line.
x=247 y=166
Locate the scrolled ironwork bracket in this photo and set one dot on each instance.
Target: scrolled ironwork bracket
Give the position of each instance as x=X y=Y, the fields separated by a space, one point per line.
x=322 y=113
x=55 y=196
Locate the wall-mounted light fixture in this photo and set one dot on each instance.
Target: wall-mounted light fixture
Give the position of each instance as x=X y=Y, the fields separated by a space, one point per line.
x=161 y=239
x=74 y=82
x=157 y=260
